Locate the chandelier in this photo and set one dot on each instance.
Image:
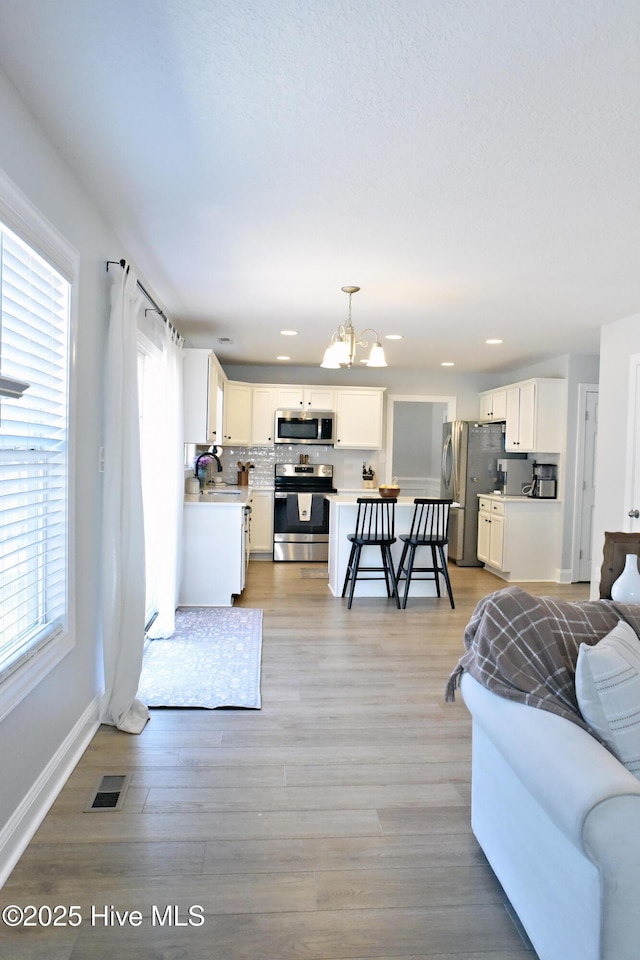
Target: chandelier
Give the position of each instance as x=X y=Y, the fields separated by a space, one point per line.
x=341 y=351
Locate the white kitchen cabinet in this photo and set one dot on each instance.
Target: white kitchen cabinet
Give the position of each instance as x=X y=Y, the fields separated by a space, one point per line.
x=491 y=532
x=237 y=420
x=519 y=538
x=305 y=398
x=203 y=381
x=263 y=415
x=262 y=521
x=496 y=542
x=484 y=534
x=535 y=416
x=493 y=405
x=214 y=552
x=359 y=418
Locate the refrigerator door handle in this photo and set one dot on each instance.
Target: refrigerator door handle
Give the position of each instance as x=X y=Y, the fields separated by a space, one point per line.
x=447 y=461
x=459 y=461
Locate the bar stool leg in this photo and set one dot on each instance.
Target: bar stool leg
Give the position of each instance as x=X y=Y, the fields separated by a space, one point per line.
x=409 y=570
x=445 y=571
x=390 y=574
x=385 y=568
x=354 y=574
x=349 y=568
x=436 y=568
x=403 y=557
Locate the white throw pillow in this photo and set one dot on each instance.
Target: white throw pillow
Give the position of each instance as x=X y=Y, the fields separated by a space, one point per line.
x=608 y=692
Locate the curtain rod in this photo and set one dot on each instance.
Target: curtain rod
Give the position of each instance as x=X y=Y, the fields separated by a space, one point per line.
x=145 y=293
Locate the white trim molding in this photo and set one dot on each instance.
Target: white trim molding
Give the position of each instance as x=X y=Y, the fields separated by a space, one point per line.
x=25 y=820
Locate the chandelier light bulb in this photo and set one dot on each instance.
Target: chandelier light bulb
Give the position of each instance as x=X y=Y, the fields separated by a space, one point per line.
x=376 y=357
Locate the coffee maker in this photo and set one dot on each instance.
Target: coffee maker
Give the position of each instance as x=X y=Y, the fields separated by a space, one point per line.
x=545 y=481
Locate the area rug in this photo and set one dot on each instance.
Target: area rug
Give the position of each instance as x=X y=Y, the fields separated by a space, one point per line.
x=314 y=573
x=212 y=660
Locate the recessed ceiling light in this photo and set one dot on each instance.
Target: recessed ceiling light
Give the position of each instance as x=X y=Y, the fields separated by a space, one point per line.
x=283 y=358
x=447 y=363
x=289 y=333
x=393 y=336
x=494 y=340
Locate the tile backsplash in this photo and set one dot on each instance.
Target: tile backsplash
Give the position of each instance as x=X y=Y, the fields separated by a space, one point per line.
x=347 y=464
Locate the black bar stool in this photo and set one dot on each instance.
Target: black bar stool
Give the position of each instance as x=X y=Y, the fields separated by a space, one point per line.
x=429 y=528
x=375 y=527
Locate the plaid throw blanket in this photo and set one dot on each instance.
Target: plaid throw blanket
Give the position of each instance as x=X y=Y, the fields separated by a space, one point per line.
x=525 y=648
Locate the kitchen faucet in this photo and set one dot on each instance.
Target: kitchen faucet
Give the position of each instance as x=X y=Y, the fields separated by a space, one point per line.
x=207 y=456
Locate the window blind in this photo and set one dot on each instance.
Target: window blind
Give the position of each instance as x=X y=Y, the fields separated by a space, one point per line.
x=34 y=337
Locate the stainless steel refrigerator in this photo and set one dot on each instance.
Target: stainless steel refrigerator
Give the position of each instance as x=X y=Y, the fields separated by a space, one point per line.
x=470 y=453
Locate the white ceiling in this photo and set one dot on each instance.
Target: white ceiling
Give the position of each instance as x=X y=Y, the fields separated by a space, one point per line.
x=472 y=165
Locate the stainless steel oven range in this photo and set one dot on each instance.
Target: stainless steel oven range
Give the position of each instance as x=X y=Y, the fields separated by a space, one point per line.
x=301 y=511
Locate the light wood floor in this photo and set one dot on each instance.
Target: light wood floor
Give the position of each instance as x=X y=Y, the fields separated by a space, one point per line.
x=331 y=825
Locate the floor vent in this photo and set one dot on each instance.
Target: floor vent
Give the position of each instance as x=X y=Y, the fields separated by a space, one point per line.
x=110 y=793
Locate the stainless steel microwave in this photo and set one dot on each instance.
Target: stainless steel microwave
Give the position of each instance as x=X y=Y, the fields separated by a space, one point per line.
x=305 y=426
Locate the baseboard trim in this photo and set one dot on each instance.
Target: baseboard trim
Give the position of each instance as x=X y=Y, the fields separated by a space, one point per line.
x=22 y=825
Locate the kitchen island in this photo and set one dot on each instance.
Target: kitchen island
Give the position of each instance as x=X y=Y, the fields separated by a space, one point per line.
x=215 y=546
x=342 y=521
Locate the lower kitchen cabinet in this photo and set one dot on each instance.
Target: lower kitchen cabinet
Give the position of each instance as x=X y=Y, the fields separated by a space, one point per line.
x=215 y=538
x=519 y=538
x=491 y=533
x=262 y=521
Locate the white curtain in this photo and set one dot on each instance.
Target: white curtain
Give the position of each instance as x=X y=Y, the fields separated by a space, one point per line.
x=123 y=586
x=164 y=490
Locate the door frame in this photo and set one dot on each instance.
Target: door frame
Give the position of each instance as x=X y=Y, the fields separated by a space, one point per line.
x=394 y=398
x=632 y=465
x=578 y=491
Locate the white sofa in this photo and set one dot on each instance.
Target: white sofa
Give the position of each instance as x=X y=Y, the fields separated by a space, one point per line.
x=558 y=818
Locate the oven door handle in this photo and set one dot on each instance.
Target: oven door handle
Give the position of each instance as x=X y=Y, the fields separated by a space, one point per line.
x=280 y=496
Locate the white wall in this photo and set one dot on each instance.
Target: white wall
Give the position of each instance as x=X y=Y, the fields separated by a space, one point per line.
x=618 y=341
x=33 y=734
x=575 y=369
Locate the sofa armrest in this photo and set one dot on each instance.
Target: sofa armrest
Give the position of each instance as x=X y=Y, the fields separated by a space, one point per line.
x=571 y=775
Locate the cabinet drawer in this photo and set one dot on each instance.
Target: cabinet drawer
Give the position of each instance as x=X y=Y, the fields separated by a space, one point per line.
x=484 y=504
x=497 y=507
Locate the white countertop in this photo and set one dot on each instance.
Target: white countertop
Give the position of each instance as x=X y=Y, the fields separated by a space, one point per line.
x=222 y=495
x=504 y=498
x=349 y=499
x=343 y=499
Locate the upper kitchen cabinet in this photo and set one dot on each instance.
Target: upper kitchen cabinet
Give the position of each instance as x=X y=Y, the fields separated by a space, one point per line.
x=493 y=405
x=263 y=415
x=238 y=409
x=203 y=381
x=535 y=416
x=359 y=418
x=305 y=398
